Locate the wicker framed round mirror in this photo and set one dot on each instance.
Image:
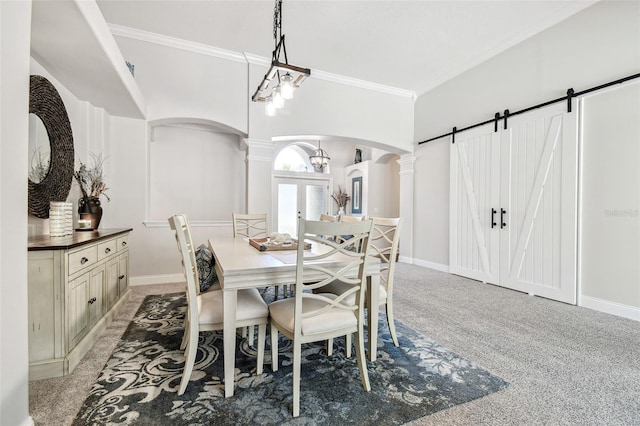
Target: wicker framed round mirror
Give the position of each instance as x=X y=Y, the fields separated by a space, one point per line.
x=46 y=103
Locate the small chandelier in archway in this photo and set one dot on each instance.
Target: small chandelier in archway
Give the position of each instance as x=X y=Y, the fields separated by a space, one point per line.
x=319 y=159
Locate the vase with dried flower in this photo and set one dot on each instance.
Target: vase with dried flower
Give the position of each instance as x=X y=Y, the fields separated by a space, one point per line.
x=341 y=198
x=92 y=185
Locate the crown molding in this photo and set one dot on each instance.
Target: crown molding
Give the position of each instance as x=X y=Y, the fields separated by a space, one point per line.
x=250 y=58
x=340 y=79
x=177 y=43
x=258 y=60
x=362 y=84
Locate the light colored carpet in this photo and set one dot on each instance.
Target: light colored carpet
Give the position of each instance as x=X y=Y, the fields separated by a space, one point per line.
x=566 y=365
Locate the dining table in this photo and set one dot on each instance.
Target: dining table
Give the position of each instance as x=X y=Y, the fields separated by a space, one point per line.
x=239 y=265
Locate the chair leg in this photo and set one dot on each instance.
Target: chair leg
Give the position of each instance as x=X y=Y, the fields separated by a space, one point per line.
x=250 y=337
x=347 y=345
x=190 y=357
x=262 y=336
x=274 y=348
x=362 y=362
x=330 y=346
x=185 y=336
x=392 y=325
x=297 y=355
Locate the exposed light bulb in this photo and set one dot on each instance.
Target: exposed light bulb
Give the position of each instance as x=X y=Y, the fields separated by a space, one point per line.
x=269 y=107
x=278 y=100
x=286 y=87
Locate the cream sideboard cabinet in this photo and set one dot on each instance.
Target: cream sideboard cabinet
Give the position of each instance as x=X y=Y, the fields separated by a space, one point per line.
x=77 y=284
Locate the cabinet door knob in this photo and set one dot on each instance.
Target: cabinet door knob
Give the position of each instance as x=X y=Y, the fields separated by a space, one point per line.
x=121 y=277
x=107 y=250
x=83 y=260
x=124 y=243
x=92 y=300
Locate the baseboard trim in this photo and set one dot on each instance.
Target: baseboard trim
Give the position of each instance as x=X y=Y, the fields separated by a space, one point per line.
x=426 y=264
x=156 y=279
x=608 y=307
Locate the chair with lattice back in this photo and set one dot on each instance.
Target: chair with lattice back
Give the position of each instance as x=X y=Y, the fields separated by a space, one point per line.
x=383 y=243
x=205 y=310
x=254 y=225
x=313 y=315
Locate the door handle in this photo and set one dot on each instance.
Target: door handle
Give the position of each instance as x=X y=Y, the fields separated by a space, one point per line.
x=502 y=222
x=493 y=218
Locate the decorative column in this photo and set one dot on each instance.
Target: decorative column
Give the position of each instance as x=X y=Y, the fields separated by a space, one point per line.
x=259 y=162
x=406 y=206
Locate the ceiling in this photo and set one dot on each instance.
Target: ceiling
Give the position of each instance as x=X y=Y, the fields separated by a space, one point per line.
x=412 y=45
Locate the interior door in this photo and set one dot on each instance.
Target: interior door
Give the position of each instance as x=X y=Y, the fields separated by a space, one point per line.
x=538 y=239
x=475 y=192
x=309 y=197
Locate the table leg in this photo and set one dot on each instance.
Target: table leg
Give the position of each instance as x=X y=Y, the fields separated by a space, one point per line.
x=230 y=302
x=373 y=290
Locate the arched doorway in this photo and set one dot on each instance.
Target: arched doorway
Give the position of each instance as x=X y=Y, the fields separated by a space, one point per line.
x=297 y=189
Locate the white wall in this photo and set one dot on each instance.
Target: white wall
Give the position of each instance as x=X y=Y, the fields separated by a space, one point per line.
x=195 y=171
x=181 y=83
x=610 y=201
x=193 y=82
x=15 y=19
x=321 y=107
x=600 y=44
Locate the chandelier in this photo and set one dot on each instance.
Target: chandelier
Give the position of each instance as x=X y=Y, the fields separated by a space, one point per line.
x=279 y=82
x=319 y=159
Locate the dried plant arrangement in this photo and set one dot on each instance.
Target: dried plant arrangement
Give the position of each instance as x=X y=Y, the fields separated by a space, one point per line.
x=91 y=179
x=341 y=197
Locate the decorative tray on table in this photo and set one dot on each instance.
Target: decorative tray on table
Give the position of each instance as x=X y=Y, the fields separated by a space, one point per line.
x=268 y=244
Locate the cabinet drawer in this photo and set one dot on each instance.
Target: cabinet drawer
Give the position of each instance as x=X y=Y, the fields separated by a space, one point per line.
x=123 y=243
x=82 y=259
x=106 y=249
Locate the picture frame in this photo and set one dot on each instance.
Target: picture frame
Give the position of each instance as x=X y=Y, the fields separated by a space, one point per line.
x=356 y=195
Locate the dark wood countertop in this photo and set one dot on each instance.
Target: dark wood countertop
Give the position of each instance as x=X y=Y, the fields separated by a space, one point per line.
x=78 y=238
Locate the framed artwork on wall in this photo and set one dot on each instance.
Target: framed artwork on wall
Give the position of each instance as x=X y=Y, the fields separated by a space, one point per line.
x=356 y=195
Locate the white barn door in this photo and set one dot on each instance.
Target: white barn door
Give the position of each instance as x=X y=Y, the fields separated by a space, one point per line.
x=538 y=242
x=474 y=192
x=513 y=203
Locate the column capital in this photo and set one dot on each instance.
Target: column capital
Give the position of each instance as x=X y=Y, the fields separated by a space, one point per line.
x=406 y=163
x=258 y=143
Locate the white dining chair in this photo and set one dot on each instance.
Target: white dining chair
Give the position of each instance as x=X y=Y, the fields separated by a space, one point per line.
x=349 y=219
x=383 y=243
x=312 y=315
x=205 y=310
x=345 y=218
x=256 y=225
x=327 y=218
x=252 y=225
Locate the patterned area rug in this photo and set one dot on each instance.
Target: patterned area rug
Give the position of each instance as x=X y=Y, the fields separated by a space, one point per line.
x=139 y=382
